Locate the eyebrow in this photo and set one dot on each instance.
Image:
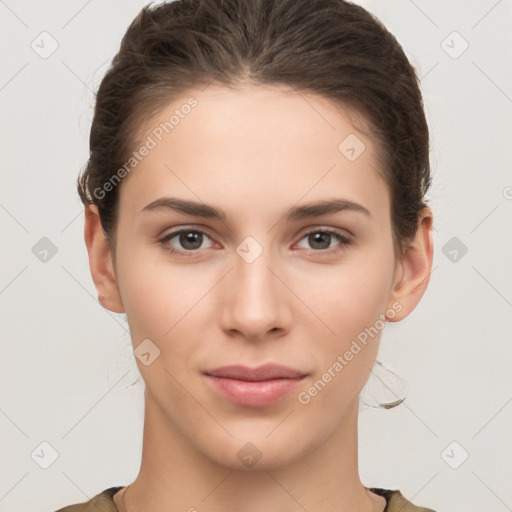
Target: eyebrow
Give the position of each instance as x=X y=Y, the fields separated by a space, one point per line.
x=295 y=213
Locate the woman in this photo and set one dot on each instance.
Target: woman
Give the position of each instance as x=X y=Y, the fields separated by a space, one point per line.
x=255 y=205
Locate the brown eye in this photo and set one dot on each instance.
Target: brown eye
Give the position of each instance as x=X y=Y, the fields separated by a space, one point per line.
x=189 y=240
x=322 y=240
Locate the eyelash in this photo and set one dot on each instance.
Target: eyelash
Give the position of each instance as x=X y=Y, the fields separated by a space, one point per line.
x=345 y=241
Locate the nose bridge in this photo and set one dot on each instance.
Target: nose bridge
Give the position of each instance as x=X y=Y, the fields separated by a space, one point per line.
x=254 y=303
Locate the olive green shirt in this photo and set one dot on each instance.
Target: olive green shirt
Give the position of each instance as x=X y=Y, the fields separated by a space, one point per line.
x=104 y=502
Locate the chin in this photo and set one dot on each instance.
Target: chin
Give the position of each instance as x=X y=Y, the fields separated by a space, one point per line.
x=255 y=451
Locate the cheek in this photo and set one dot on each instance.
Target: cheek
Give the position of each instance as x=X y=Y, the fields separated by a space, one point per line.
x=350 y=296
x=161 y=298
x=351 y=306
x=350 y=299
x=163 y=304
x=158 y=296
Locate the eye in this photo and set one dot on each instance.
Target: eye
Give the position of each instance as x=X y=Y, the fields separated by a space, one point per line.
x=190 y=240
x=320 y=240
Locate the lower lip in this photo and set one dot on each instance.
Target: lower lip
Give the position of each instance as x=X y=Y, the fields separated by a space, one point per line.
x=253 y=394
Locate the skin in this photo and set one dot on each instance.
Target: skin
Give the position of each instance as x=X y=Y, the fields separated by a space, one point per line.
x=254 y=152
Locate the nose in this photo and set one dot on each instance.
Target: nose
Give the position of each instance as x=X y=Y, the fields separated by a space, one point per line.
x=255 y=302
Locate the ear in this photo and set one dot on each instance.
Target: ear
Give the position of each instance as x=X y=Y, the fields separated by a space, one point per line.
x=412 y=273
x=100 y=262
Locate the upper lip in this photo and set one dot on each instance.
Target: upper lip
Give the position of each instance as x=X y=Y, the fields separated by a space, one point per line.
x=265 y=372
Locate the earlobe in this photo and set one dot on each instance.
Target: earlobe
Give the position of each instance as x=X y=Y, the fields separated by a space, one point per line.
x=413 y=270
x=100 y=262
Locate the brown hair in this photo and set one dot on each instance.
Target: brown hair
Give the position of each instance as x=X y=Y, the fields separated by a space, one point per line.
x=330 y=47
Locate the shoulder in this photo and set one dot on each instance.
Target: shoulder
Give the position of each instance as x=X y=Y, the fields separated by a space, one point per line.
x=102 y=502
x=396 y=502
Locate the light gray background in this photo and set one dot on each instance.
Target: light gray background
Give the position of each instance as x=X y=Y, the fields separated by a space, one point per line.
x=66 y=364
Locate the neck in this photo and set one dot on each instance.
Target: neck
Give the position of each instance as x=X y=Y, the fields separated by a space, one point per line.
x=176 y=475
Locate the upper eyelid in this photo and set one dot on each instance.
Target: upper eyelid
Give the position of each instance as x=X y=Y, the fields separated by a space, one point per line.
x=173 y=233
x=344 y=239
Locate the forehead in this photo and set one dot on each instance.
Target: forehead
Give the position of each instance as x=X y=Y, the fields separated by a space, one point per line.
x=235 y=114
x=220 y=140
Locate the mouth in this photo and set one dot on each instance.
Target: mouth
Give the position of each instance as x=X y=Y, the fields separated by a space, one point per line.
x=254 y=387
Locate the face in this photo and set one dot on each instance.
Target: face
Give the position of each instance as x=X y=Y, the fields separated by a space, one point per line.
x=249 y=275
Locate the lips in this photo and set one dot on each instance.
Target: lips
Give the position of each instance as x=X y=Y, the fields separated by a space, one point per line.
x=254 y=387
x=261 y=373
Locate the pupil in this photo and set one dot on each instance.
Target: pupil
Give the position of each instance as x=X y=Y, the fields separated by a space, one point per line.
x=318 y=237
x=190 y=237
